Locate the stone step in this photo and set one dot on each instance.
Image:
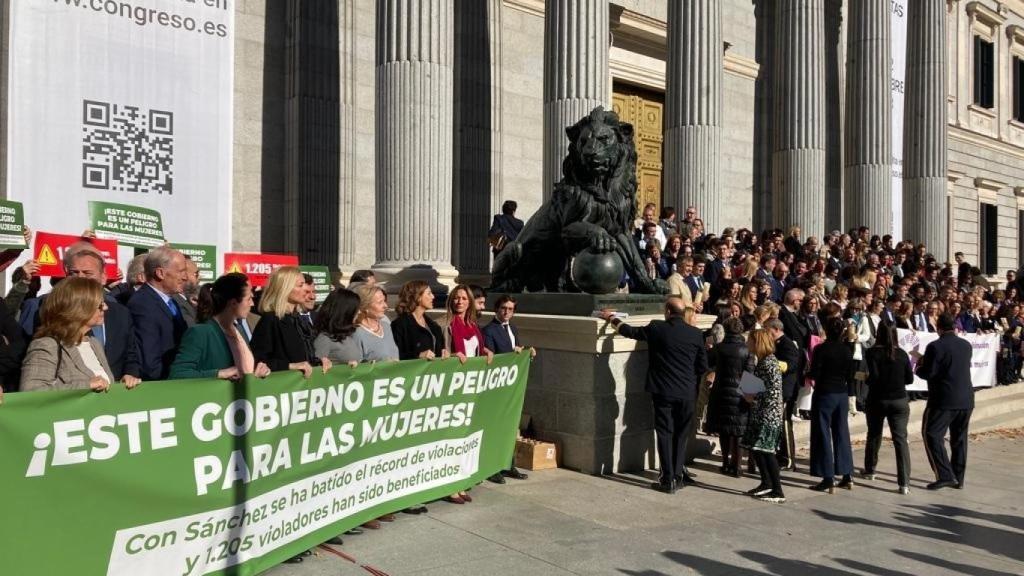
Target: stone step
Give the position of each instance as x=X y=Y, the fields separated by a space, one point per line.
x=1001 y=422
x=992 y=403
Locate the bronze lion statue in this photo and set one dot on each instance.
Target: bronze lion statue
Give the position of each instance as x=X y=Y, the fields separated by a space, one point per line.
x=591 y=208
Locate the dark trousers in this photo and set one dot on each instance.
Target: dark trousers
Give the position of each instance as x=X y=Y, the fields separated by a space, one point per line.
x=768 y=466
x=787 y=444
x=936 y=423
x=831 y=454
x=897 y=413
x=672 y=418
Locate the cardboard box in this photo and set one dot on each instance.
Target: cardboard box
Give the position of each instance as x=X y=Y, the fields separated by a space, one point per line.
x=535 y=454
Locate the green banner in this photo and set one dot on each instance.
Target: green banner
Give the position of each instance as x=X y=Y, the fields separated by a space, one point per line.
x=129 y=225
x=214 y=477
x=12 y=225
x=321 y=280
x=205 y=258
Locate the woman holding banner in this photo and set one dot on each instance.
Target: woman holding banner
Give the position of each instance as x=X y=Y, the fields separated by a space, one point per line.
x=217 y=348
x=280 y=340
x=416 y=335
x=463 y=340
x=335 y=326
x=63 y=356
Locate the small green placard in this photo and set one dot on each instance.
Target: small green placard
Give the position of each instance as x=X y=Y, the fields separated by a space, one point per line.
x=205 y=258
x=12 y=224
x=321 y=280
x=129 y=225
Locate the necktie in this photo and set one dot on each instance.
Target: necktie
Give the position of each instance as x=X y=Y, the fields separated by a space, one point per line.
x=242 y=329
x=921 y=325
x=173 y=306
x=99 y=333
x=511 y=338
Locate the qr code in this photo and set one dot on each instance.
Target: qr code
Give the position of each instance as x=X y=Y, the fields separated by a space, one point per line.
x=127 y=148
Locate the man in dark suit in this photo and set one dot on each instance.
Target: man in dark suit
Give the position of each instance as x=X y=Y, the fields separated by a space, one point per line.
x=501 y=337
x=158 y=319
x=716 y=264
x=188 y=293
x=677 y=362
x=505 y=227
x=946 y=366
x=795 y=329
x=696 y=280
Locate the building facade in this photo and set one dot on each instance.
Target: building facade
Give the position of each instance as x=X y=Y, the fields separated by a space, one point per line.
x=385 y=133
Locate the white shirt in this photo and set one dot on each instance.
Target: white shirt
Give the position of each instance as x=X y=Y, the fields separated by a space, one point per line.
x=91 y=361
x=511 y=335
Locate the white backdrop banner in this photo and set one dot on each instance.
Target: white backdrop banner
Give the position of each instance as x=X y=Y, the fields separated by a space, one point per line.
x=983 y=359
x=899 y=73
x=126 y=101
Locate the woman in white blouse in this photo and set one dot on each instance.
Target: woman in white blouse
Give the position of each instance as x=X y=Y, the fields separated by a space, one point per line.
x=63 y=355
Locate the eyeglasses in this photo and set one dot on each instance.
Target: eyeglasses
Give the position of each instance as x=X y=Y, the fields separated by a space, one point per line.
x=507 y=308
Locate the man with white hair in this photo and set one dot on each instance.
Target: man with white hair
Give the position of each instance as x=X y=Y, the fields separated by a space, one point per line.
x=159 y=323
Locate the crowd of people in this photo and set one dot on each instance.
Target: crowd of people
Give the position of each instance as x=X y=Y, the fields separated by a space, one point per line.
x=159 y=323
x=813 y=319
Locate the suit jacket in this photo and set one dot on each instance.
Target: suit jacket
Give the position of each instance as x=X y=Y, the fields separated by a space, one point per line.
x=119 y=342
x=794 y=328
x=946 y=365
x=157 y=332
x=203 y=352
x=278 y=342
x=510 y=226
x=691 y=281
x=713 y=270
x=786 y=351
x=678 y=358
x=496 y=338
x=53 y=366
x=188 y=311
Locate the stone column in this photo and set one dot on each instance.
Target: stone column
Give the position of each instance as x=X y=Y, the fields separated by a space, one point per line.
x=924 y=132
x=347 y=182
x=693 y=109
x=764 y=114
x=868 y=158
x=575 y=73
x=798 y=158
x=312 y=131
x=414 y=141
x=477 y=170
x=835 y=75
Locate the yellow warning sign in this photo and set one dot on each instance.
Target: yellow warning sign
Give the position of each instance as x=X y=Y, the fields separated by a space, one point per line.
x=46 y=256
x=235 y=268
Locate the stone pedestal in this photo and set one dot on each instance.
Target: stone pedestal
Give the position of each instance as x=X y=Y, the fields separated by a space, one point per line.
x=586 y=392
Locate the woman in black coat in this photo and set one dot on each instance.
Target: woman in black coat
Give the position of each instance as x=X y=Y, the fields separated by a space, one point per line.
x=727 y=411
x=889 y=373
x=832 y=369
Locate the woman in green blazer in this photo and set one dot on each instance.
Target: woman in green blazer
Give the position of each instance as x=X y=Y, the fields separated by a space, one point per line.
x=216 y=348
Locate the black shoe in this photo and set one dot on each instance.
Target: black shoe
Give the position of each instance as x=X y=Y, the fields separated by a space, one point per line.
x=354 y=531
x=294 y=560
x=336 y=540
x=773 y=497
x=515 y=474
x=846 y=483
x=940 y=484
x=758 y=490
x=497 y=478
x=959 y=485
x=669 y=488
x=824 y=486
x=306 y=553
x=416 y=510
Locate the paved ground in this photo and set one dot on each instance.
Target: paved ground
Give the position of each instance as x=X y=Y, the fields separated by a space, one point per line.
x=560 y=523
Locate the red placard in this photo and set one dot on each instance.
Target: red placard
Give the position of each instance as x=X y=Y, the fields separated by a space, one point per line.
x=258 y=267
x=49 y=252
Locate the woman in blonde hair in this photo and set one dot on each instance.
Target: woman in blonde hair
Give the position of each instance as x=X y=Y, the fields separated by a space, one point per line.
x=373 y=332
x=281 y=339
x=765 y=424
x=63 y=356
